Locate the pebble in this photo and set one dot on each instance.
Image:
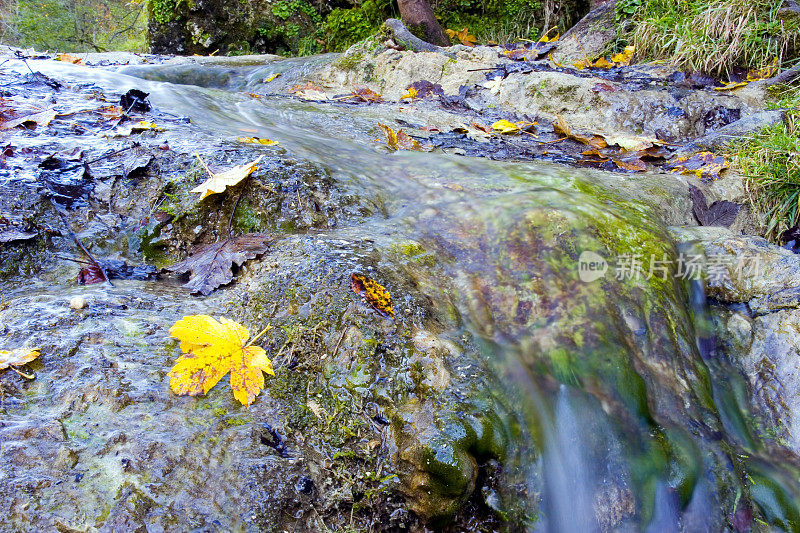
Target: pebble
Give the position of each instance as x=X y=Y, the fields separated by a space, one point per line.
x=77 y=302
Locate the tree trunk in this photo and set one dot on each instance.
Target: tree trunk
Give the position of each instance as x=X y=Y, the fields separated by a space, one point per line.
x=418 y=17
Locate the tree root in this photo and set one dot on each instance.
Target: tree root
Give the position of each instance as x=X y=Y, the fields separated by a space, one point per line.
x=406 y=40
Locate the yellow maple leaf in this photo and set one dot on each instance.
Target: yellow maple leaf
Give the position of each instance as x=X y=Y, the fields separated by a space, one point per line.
x=463 y=35
x=400 y=140
x=217 y=183
x=18 y=357
x=504 y=126
x=212 y=349
x=624 y=58
x=411 y=94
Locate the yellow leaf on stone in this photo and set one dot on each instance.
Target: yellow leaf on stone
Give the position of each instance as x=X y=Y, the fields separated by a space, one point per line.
x=602 y=63
x=504 y=126
x=213 y=348
x=267 y=80
x=764 y=73
x=731 y=86
x=17 y=357
x=374 y=293
x=624 y=58
x=631 y=143
x=257 y=140
x=411 y=94
x=217 y=183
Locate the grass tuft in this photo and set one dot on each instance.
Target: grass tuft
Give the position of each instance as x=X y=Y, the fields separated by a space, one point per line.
x=770 y=161
x=714 y=36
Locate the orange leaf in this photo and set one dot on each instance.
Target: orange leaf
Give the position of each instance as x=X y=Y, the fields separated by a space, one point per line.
x=374 y=293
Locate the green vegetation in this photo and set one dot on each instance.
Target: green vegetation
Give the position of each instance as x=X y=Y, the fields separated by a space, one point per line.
x=69 y=26
x=711 y=36
x=770 y=161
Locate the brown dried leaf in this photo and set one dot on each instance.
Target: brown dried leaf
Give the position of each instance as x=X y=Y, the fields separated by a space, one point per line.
x=212 y=266
x=595 y=141
x=367 y=95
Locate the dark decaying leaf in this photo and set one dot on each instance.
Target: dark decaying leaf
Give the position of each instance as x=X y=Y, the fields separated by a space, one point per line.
x=374 y=293
x=212 y=266
x=135 y=100
x=115 y=269
x=425 y=88
x=719 y=213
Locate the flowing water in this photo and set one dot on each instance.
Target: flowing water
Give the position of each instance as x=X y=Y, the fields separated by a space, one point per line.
x=625 y=412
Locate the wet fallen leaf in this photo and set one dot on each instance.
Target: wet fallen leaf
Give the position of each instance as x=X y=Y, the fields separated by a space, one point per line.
x=136 y=127
x=630 y=163
x=504 y=126
x=267 y=80
x=400 y=140
x=38 y=118
x=410 y=94
x=367 y=95
x=702 y=165
x=463 y=36
x=18 y=357
x=211 y=266
x=621 y=59
x=595 y=141
x=731 y=86
x=631 y=143
x=67 y=58
x=213 y=348
x=218 y=182
x=481 y=127
x=624 y=58
x=763 y=73
x=112 y=112
x=719 y=213
x=309 y=91
x=374 y=293
x=257 y=140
